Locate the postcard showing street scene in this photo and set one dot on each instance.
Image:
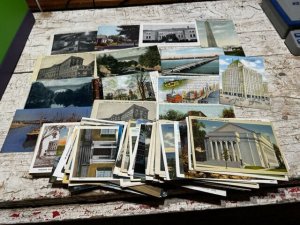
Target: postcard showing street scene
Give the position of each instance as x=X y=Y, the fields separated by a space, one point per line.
x=50 y=145
x=243 y=82
x=235 y=145
x=219 y=33
x=74 y=42
x=128 y=61
x=188 y=89
x=178 y=112
x=117 y=37
x=26 y=125
x=96 y=153
x=124 y=110
x=190 y=61
x=169 y=34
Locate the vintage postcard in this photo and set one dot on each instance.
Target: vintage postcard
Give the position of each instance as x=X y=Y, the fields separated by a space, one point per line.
x=178 y=112
x=96 y=153
x=50 y=146
x=194 y=61
x=219 y=33
x=124 y=110
x=74 y=42
x=243 y=82
x=169 y=34
x=137 y=87
x=188 y=89
x=26 y=125
x=235 y=146
x=128 y=61
x=117 y=37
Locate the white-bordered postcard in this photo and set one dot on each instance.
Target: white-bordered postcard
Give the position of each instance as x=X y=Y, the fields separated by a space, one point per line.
x=169 y=34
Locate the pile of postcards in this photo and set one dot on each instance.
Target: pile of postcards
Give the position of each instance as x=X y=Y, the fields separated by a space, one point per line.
x=148 y=107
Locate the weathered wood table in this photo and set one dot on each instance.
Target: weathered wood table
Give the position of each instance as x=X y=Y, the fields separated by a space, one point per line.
x=258 y=38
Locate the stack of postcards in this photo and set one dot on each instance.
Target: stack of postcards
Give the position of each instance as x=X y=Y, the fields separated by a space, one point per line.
x=148 y=108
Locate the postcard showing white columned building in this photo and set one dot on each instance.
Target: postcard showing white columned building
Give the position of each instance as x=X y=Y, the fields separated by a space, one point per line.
x=236 y=146
x=242 y=82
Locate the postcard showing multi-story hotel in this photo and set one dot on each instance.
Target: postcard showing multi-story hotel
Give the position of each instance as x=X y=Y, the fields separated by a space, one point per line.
x=193 y=61
x=124 y=110
x=233 y=145
x=169 y=34
x=188 y=89
x=50 y=145
x=243 y=83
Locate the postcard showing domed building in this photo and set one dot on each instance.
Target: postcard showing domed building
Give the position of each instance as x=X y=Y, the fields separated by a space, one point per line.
x=243 y=82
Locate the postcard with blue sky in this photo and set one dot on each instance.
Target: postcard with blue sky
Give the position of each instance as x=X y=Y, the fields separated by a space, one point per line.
x=219 y=33
x=190 y=61
x=243 y=82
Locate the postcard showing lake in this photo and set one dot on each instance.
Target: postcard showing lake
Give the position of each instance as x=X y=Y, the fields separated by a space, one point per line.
x=188 y=89
x=219 y=33
x=117 y=37
x=194 y=61
x=243 y=82
x=128 y=61
x=26 y=125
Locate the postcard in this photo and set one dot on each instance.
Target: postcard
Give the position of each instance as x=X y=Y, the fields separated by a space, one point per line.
x=193 y=61
x=219 y=33
x=123 y=110
x=188 y=89
x=50 y=146
x=26 y=125
x=128 y=61
x=235 y=146
x=169 y=34
x=243 y=82
x=96 y=153
x=74 y=42
x=178 y=112
x=137 y=87
x=117 y=37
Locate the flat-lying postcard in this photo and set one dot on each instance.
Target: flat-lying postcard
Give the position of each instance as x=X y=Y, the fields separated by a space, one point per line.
x=193 y=61
x=235 y=146
x=169 y=34
x=243 y=82
x=117 y=37
x=123 y=110
x=74 y=42
x=219 y=33
x=50 y=146
x=26 y=125
x=188 y=89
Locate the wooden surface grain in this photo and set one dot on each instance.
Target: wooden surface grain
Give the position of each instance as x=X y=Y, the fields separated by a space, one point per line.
x=258 y=38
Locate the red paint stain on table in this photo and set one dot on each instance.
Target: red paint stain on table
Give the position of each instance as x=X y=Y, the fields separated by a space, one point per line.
x=15 y=215
x=55 y=214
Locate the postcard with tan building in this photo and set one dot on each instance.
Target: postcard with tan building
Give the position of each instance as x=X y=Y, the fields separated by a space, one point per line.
x=243 y=83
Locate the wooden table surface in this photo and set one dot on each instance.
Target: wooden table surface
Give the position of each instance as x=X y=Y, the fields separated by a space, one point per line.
x=258 y=38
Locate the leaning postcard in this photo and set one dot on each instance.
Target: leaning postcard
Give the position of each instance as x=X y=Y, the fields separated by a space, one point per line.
x=234 y=145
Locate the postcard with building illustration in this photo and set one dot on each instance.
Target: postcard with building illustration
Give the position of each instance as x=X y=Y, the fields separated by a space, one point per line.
x=193 y=61
x=74 y=42
x=124 y=110
x=235 y=146
x=137 y=87
x=96 y=152
x=50 y=146
x=219 y=33
x=188 y=89
x=117 y=37
x=169 y=34
x=243 y=82
x=128 y=61
x=178 y=112
x=26 y=125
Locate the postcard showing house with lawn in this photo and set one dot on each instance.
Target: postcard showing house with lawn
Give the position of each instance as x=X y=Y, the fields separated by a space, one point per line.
x=243 y=82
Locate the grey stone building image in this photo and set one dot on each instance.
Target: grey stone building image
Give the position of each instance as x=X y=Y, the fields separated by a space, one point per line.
x=132 y=113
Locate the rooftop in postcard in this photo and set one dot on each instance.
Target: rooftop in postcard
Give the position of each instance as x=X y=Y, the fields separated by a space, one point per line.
x=182 y=34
